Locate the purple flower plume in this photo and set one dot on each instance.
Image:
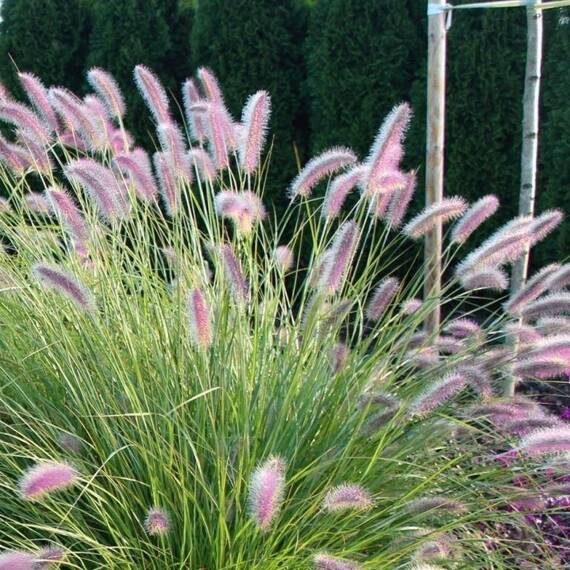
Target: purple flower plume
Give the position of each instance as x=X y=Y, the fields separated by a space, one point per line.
x=38 y=97
x=523 y=333
x=165 y=169
x=545 y=441
x=387 y=149
x=411 y=306
x=37 y=203
x=210 y=85
x=199 y=319
x=532 y=289
x=15 y=157
x=425 y=221
x=485 y=278
x=341 y=254
x=318 y=168
x=400 y=201
x=153 y=93
x=243 y=208
x=480 y=211
x=284 y=257
x=439 y=393
x=348 y=496
x=338 y=191
x=559 y=279
x=69 y=214
x=38 y=154
x=47 y=478
x=157 y=522
x=101 y=185
x=108 y=89
x=266 y=491
x=173 y=144
x=340 y=356
x=234 y=274
x=25 y=120
x=255 y=118
x=555 y=304
x=387 y=192
x=546 y=223
x=553 y=325
x=381 y=298
x=196 y=120
x=435 y=504
x=136 y=165
x=203 y=164
x=48 y=556
x=219 y=134
x=541 y=367
x=16 y=560
x=462 y=328
x=324 y=561
x=53 y=277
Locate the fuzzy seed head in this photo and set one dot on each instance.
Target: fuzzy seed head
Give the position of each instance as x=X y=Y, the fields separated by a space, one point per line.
x=266 y=491
x=324 y=561
x=480 y=211
x=47 y=478
x=348 y=496
x=425 y=221
x=255 y=118
x=381 y=298
x=199 y=319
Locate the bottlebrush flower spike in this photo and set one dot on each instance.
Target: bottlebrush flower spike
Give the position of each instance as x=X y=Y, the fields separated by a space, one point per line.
x=47 y=557
x=480 y=211
x=339 y=190
x=553 y=325
x=546 y=441
x=435 y=504
x=173 y=145
x=532 y=289
x=387 y=150
x=199 y=319
x=218 y=130
x=195 y=120
x=541 y=368
x=557 y=346
x=168 y=182
x=153 y=93
x=16 y=158
x=107 y=88
x=340 y=355
x=486 y=278
x=53 y=277
x=555 y=304
x=234 y=275
x=284 y=257
x=136 y=165
x=479 y=379
x=381 y=298
x=348 y=496
x=440 y=212
x=525 y=426
x=411 y=306
x=203 y=163
x=157 y=522
x=266 y=492
x=101 y=185
x=341 y=255
x=25 y=120
x=46 y=478
x=523 y=333
x=38 y=97
x=37 y=203
x=69 y=214
x=559 y=279
x=448 y=345
x=439 y=393
x=545 y=224
x=210 y=85
x=255 y=118
x=318 y=168
x=401 y=200
x=16 y=560
x=324 y=561
x=462 y=328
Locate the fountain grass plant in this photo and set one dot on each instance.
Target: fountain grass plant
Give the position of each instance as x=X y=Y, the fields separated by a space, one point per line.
x=188 y=381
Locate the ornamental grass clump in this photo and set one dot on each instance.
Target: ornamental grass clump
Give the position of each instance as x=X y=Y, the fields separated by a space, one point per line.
x=190 y=381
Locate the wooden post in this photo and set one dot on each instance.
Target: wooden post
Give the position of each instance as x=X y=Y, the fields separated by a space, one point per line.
x=437 y=43
x=529 y=154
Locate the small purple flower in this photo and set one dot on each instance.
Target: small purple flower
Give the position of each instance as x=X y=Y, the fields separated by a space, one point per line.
x=348 y=496
x=157 y=522
x=266 y=491
x=46 y=478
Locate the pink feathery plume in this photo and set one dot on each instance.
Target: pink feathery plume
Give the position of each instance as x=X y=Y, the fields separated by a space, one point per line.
x=196 y=121
x=523 y=333
x=210 y=85
x=381 y=200
x=38 y=97
x=439 y=393
x=556 y=346
x=400 y=201
x=16 y=560
x=525 y=426
x=448 y=345
x=243 y=208
x=136 y=165
x=387 y=149
x=221 y=134
x=320 y=167
x=340 y=355
x=486 y=278
x=203 y=164
x=506 y=245
x=173 y=145
x=39 y=156
x=37 y=203
x=73 y=140
x=553 y=325
x=411 y=306
x=544 y=224
x=157 y=522
x=339 y=190
x=255 y=118
x=266 y=492
x=434 y=505
x=348 y=496
x=463 y=328
x=234 y=274
x=199 y=319
x=559 y=279
x=341 y=254
x=541 y=368
x=25 y=120
x=101 y=185
x=546 y=441
x=440 y=212
x=381 y=298
x=437 y=549
x=16 y=158
x=107 y=88
x=324 y=561
x=495 y=357
x=532 y=289
x=284 y=257
x=153 y=93
x=479 y=379
x=53 y=277
x=70 y=215
x=167 y=181
x=46 y=478
x=552 y=305
x=480 y=211
x=48 y=556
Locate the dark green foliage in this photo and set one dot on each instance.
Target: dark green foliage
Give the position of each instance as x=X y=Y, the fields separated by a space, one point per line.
x=46 y=37
x=252 y=45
